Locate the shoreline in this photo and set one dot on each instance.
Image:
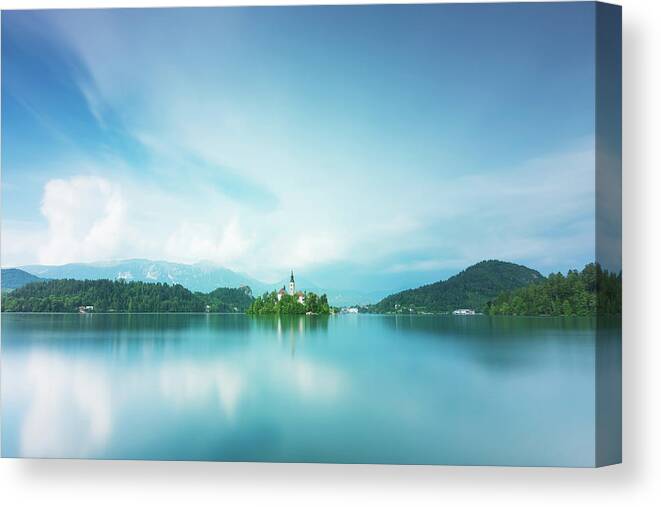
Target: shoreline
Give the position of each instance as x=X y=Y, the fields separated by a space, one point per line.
x=416 y=315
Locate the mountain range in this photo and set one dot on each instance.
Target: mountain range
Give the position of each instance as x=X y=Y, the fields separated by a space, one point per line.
x=202 y=276
x=472 y=288
x=13 y=278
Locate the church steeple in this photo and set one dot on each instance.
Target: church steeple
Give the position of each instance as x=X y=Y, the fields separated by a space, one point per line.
x=292 y=284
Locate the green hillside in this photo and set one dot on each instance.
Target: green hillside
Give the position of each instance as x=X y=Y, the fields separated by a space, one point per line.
x=589 y=292
x=472 y=288
x=228 y=300
x=120 y=296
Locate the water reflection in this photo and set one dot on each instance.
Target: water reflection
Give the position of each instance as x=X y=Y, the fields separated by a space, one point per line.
x=504 y=343
x=187 y=383
x=299 y=388
x=123 y=335
x=291 y=329
x=68 y=405
x=608 y=372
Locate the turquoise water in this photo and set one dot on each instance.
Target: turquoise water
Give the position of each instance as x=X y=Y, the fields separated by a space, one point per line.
x=349 y=388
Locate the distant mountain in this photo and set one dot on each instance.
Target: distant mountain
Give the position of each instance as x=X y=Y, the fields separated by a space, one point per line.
x=198 y=277
x=202 y=276
x=472 y=288
x=354 y=297
x=336 y=297
x=13 y=278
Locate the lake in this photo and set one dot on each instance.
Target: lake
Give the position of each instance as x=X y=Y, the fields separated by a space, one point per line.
x=349 y=388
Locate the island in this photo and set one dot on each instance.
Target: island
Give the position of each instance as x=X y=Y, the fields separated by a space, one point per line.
x=290 y=302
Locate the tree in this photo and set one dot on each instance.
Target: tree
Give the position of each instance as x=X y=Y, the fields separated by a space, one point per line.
x=593 y=291
x=121 y=296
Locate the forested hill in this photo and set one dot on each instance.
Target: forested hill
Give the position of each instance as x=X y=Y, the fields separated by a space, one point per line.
x=120 y=296
x=591 y=291
x=13 y=278
x=228 y=300
x=472 y=288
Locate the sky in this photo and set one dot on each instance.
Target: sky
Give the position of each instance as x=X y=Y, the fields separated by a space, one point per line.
x=369 y=147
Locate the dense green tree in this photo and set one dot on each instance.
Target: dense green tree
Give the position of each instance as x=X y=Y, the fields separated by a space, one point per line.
x=288 y=305
x=593 y=291
x=228 y=300
x=121 y=296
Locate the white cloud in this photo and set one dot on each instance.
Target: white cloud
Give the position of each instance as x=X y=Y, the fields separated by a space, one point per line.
x=315 y=247
x=427 y=265
x=372 y=205
x=86 y=218
x=194 y=241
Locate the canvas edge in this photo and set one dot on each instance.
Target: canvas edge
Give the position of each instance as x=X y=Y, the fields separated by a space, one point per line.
x=608 y=226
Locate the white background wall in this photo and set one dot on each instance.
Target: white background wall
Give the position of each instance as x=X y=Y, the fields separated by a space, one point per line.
x=636 y=482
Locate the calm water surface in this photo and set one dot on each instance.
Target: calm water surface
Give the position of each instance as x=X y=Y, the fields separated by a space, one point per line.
x=350 y=388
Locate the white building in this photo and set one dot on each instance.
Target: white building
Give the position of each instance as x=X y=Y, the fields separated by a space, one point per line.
x=463 y=311
x=292 y=284
x=300 y=296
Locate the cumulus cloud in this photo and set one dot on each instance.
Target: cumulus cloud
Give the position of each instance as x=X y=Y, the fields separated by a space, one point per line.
x=86 y=218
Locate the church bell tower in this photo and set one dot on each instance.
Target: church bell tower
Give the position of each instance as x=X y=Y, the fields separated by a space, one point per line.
x=292 y=284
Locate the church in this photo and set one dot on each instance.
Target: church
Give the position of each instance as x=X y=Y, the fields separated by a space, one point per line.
x=300 y=297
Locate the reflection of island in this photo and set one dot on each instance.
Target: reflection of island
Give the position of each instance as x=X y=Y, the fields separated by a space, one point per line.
x=290 y=302
x=291 y=329
x=290 y=325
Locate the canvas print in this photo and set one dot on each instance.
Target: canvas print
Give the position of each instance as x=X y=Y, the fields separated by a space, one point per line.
x=341 y=234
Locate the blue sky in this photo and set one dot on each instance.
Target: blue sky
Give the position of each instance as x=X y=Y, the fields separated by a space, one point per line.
x=376 y=147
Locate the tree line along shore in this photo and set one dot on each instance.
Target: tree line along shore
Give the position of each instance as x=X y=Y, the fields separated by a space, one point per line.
x=489 y=287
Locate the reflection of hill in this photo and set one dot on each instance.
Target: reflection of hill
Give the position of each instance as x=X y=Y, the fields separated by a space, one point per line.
x=481 y=325
x=161 y=334
x=498 y=343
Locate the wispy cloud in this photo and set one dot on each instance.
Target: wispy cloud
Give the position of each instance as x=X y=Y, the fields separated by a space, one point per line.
x=194 y=142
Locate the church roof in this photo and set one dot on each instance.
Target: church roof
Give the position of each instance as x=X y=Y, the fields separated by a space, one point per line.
x=292 y=276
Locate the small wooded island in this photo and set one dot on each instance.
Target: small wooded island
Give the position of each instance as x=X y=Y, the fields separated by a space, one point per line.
x=290 y=302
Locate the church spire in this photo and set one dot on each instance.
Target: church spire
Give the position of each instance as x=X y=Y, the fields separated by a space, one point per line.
x=292 y=284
